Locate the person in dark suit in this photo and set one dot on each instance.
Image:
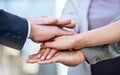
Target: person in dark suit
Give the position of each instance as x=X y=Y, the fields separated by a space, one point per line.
x=14 y=30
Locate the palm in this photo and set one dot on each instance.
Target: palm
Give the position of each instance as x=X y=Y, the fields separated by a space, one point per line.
x=73 y=58
x=68 y=58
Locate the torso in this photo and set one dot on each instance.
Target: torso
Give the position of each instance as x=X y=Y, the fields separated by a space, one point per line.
x=102 y=12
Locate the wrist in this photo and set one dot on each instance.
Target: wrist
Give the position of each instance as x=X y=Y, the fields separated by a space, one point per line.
x=77 y=40
x=31 y=32
x=81 y=56
x=31 y=27
x=80 y=41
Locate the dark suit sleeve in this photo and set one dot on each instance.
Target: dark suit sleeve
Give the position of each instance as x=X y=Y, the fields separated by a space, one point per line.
x=13 y=30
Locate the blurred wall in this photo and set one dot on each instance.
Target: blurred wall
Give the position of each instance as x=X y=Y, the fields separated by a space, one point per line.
x=10 y=58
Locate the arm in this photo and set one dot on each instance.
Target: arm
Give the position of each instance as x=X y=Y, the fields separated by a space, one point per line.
x=100 y=53
x=104 y=35
x=92 y=54
x=13 y=30
x=100 y=36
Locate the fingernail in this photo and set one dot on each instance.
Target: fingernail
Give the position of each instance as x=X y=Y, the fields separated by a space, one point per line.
x=48 y=57
x=42 y=58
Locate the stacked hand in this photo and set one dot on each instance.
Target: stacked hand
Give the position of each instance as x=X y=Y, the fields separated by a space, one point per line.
x=45 y=28
x=57 y=42
x=68 y=58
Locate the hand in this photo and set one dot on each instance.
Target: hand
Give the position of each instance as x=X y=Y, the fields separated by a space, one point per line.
x=61 y=43
x=43 y=54
x=67 y=58
x=42 y=28
x=50 y=21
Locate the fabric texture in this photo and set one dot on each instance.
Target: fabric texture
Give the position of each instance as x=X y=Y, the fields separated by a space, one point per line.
x=13 y=30
x=77 y=10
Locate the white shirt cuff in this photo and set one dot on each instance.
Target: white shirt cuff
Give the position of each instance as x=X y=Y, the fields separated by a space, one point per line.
x=29 y=29
x=28 y=35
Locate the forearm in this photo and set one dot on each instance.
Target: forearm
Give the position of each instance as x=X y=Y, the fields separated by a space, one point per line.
x=99 y=36
x=13 y=30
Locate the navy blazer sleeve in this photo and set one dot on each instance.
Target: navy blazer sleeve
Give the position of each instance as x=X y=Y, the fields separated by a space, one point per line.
x=13 y=30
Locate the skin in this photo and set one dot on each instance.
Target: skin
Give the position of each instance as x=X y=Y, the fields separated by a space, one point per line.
x=45 y=28
x=100 y=35
x=68 y=58
x=104 y=35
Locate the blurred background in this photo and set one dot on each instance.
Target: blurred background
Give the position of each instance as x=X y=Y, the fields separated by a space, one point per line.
x=12 y=62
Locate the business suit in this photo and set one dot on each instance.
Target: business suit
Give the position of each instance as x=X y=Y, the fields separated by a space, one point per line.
x=13 y=30
x=77 y=10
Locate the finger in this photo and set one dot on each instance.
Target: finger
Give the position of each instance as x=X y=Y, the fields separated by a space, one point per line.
x=51 y=53
x=71 y=25
x=56 y=58
x=44 y=55
x=54 y=21
x=31 y=56
x=45 y=20
x=41 y=52
x=44 y=62
x=63 y=22
x=53 y=60
x=35 y=57
x=32 y=61
x=64 y=32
